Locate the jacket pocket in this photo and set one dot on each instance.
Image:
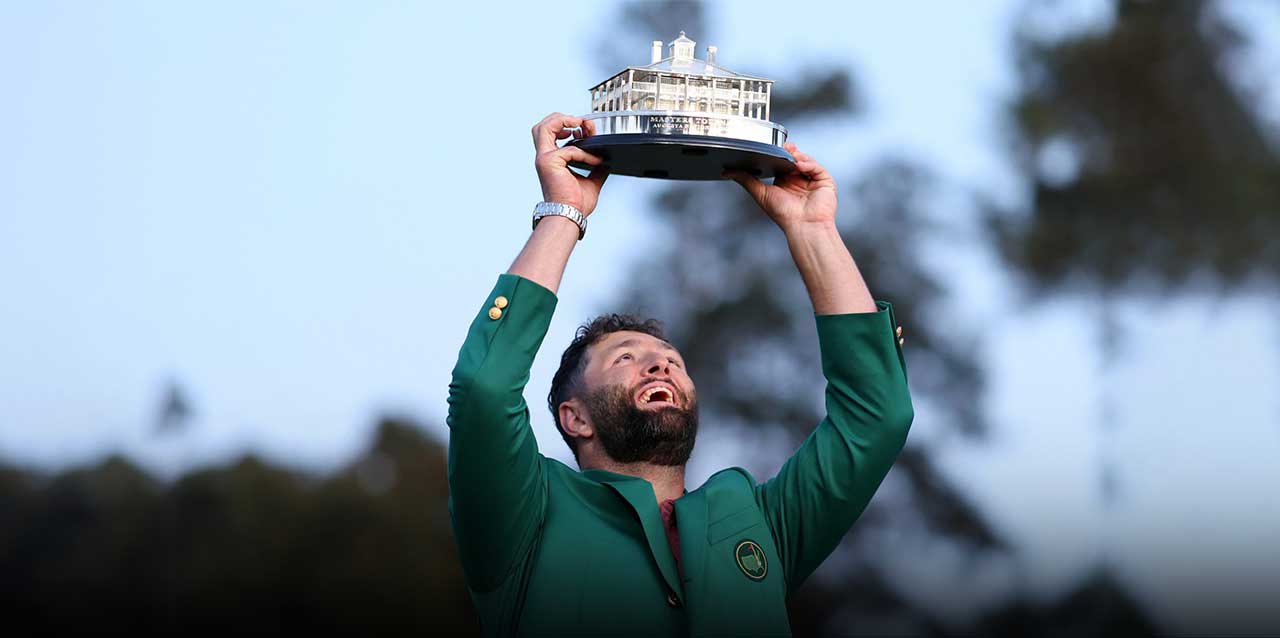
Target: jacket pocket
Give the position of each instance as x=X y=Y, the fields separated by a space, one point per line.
x=732 y=524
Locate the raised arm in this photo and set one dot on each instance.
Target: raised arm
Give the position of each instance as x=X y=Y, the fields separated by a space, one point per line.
x=823 y=488
x=497 y=490
x=803 y=205
x=547 y=251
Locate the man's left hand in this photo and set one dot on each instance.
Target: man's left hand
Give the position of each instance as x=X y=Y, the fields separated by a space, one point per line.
x=805 y=197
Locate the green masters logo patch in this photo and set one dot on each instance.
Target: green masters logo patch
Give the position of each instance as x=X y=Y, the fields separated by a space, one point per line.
x=751 y=560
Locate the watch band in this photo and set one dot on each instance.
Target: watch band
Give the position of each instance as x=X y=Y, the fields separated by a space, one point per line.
x=564 y=210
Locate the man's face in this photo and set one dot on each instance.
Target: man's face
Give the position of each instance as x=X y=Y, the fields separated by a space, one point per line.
x=641 y=400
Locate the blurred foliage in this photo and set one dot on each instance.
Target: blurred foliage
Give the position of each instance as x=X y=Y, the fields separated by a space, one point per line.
x=824 y=91
x=638 y=25
x=1147 y=168
x=1099 y=606
x=175 y=411
x=367 y=550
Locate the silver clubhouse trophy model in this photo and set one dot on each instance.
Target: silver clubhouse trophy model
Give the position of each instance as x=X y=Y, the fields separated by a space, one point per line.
x=684 y=118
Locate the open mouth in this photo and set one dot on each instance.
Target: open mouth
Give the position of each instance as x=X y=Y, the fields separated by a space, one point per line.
x=657 y=396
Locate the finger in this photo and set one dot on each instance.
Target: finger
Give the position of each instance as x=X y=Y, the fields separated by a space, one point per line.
x=598 y=175
x=810 y=168
x=545 y=132
x=568 y=154
x=816 y=172
x=754 y=187
x=794 y=178
x=803 y=157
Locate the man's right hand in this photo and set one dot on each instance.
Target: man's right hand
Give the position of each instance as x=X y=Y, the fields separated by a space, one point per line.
x=559 y=183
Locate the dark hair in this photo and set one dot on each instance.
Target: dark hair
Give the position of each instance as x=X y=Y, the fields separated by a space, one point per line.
x=568 y=380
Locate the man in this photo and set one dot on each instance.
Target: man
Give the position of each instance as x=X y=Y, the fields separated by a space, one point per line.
x=622 y=547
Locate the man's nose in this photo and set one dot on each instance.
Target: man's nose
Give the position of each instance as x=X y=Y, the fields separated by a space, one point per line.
x=660 y=364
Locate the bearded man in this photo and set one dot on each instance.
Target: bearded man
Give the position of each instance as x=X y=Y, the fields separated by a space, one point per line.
x=622 y=547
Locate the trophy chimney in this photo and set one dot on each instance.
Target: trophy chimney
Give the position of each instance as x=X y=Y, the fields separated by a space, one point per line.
x=657 y=52
x=711 y=55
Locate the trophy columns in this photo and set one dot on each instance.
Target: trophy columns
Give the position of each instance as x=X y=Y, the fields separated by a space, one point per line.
x=684 y=118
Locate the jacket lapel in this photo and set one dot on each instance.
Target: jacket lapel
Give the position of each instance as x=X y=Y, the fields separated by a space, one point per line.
x=639 y=494
x=691 y=523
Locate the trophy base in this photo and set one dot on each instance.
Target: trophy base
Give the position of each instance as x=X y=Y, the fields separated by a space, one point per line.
x=687 y=157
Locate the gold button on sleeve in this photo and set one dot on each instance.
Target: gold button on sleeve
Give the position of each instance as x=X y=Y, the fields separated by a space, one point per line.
x=494 y=313
x=672 y=600
x=500 y=302
x=898 y=332
x=901 y=341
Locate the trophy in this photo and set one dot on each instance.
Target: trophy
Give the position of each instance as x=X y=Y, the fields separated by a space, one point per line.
x=684 y=118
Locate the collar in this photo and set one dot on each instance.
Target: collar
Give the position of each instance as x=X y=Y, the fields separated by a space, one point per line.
x=605 y=476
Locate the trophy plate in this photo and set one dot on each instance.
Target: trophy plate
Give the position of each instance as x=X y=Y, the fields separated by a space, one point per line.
x=686 y=145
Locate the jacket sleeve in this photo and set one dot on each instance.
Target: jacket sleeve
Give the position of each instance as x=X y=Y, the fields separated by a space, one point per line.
x=823 y=488
x=497 y=490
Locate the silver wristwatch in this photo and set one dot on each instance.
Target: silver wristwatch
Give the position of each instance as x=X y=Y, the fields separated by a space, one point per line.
x=552 y=208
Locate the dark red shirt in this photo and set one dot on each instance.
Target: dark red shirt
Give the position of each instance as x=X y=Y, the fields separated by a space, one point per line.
x=668 y=510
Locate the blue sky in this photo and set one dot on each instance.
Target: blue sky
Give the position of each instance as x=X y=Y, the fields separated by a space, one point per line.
x=295 y=209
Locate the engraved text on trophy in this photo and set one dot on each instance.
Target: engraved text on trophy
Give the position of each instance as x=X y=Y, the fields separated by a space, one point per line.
x=686 y=125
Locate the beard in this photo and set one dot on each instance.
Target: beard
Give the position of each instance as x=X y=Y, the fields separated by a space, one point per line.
x=629 y=434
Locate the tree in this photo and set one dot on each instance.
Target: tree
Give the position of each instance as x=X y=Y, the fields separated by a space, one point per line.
x=1149 y=171
x=368 y=549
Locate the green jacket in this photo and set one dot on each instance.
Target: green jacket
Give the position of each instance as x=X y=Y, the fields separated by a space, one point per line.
x=548 y=550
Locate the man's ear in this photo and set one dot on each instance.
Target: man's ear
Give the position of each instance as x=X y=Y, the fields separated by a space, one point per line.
x=574 y=419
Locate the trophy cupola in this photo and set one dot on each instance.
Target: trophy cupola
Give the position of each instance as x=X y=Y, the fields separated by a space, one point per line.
x=681 y=50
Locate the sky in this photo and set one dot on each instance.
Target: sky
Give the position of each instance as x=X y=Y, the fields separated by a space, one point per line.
x=294 y=210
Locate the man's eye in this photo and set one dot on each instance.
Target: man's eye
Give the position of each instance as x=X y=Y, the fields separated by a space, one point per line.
x=675 y=362
x=624 y=356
